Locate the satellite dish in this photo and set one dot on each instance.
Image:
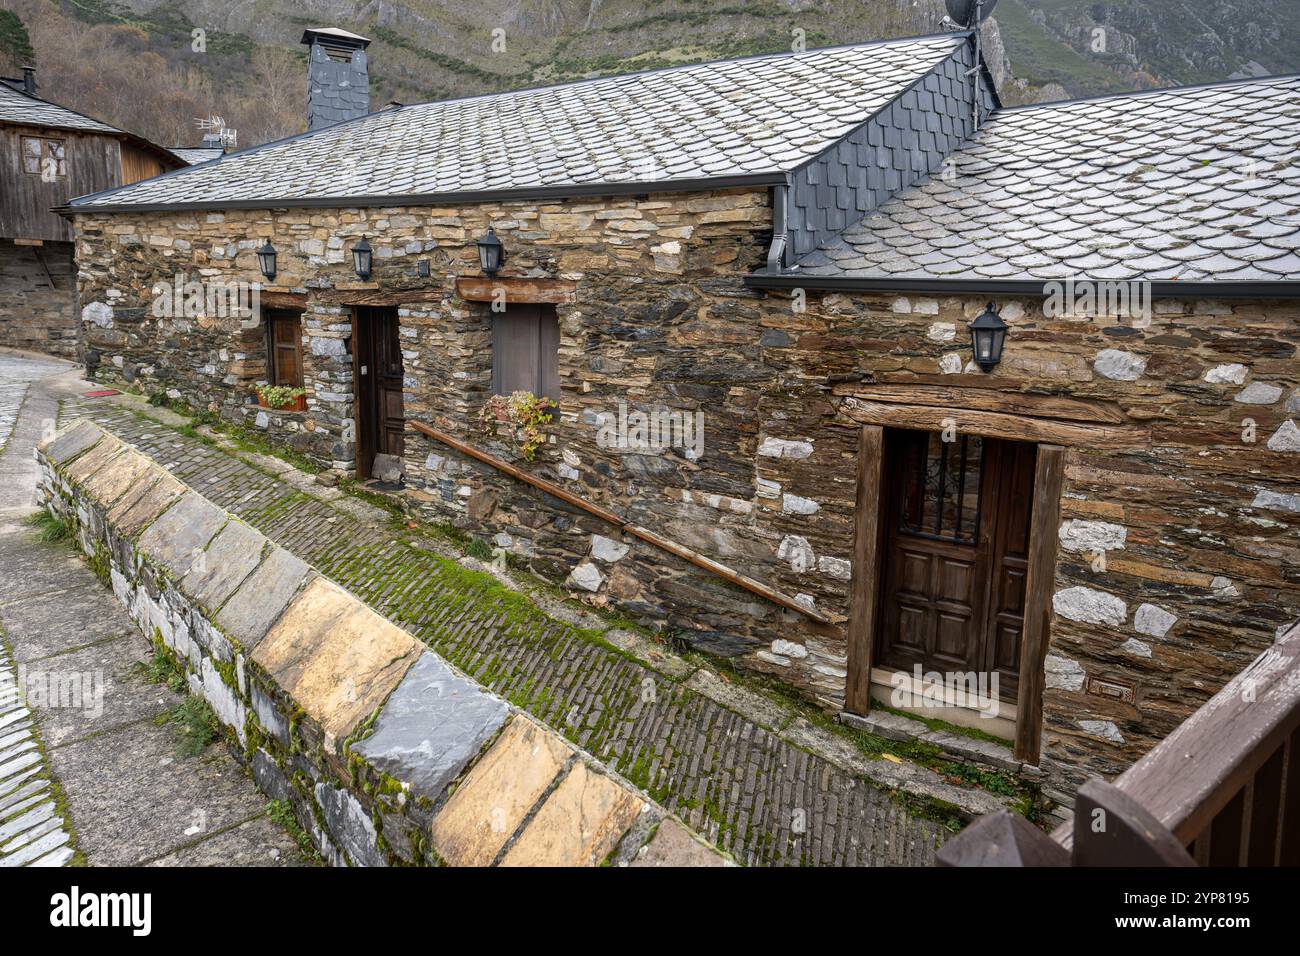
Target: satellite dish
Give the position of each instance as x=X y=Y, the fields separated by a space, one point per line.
x=965 y=12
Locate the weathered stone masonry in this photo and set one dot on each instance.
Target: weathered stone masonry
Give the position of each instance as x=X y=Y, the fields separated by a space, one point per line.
x=1197 y=523
x=37 y=292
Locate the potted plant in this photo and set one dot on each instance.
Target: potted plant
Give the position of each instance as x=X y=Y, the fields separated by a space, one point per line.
x=524 y=414
x=282 y=398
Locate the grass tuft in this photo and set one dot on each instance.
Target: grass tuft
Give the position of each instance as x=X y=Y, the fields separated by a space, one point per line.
x=196 y=725
x=49 y=526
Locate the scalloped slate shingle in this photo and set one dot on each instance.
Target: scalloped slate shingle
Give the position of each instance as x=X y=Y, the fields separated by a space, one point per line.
x=1194 y=184
x=197 y=154
x=759 y=115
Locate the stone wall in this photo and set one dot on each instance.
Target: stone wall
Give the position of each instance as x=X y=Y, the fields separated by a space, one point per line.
x=386 y=754
x=1201 y=560
x=38 y=295
x=1178 y=557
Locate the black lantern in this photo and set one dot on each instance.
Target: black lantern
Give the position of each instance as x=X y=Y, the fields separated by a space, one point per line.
x=266 y=259
x=361 y=258
x=988 y=334
x=491 y=253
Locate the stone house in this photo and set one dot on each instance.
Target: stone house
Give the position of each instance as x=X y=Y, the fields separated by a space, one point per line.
x=1097 y=519
x=48 y=154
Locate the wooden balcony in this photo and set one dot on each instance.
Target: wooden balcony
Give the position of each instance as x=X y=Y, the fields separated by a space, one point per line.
x=1221 y=790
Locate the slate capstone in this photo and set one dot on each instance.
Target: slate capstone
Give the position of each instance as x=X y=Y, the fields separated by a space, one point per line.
x=71 y=442
x=431 y=727
x=177 y=538
x=265 y=593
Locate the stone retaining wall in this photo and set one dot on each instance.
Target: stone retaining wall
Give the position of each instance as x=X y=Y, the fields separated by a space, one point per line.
x=387 y=755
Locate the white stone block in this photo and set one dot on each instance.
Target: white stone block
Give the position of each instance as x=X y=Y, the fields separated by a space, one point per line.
x=1153 y=621
x=1119 y=365
x=789 y=649
x=1258 y=393
x=1062 y=673
x=1286 y=438
x=784 y=448
x=1231 y=373
x=607 y=549
x=798 y=552
x=1104 y=729
x=795 y=505
x=586 y=576
x=1090 y=606
x=1089 y=536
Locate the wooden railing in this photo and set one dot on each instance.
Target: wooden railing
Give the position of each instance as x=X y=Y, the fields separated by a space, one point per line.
x=1222 y=790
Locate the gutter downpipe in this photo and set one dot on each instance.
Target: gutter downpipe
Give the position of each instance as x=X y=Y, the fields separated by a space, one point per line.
x=776 y=252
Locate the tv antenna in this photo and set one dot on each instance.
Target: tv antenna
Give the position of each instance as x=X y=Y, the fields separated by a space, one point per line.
x=970 y=15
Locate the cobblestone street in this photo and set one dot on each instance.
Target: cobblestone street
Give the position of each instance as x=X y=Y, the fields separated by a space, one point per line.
x=88 y=763
x=742 y=783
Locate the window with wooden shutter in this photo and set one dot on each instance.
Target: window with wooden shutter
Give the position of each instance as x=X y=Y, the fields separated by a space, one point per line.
x=44 y=157
x=284 y=330
x=526 y=351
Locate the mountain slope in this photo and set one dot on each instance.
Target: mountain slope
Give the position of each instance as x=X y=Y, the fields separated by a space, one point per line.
x=137 y=63
x=1125 y=44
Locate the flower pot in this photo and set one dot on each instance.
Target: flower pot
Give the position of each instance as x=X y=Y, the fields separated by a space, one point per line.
x=298 y=404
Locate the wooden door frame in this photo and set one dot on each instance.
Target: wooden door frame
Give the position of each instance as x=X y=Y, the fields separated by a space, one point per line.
x=362 y=471
x=372 y=396
x=868 y=548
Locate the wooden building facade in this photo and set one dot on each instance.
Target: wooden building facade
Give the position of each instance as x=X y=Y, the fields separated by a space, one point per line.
x=49 y=154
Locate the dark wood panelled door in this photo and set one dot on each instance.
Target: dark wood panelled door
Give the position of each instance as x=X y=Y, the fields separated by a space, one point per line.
x=956 y=537
x=377 y=360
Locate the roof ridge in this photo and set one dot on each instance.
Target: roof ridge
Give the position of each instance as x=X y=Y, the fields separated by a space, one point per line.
x=685 y=66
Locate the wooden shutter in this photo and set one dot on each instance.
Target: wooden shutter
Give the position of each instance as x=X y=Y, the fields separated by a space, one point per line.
x=286 y=349
x=525 y=351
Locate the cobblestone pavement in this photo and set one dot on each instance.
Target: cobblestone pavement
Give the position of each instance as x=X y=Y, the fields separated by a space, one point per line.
x=85 y=766
x=755 y=794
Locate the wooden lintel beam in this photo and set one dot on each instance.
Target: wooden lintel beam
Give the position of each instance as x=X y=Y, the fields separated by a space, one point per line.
x=376 y=297
x=987 y=400
x=994 y=424
x=515 y=289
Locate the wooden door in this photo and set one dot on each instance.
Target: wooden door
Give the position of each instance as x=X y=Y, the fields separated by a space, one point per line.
x=378 y=376
x=956 y=536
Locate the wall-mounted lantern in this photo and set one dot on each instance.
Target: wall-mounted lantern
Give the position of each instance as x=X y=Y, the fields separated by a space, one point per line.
x=266 y=259
x=491 y=254
x=362 y=258
x=988 y=334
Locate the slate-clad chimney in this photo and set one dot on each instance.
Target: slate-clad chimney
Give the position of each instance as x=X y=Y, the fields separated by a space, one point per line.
x=338 y=78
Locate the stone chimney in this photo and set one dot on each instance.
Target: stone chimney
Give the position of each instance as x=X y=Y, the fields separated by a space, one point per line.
x=338 y=77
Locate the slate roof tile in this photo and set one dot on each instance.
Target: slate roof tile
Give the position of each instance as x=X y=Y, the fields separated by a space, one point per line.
x=1198 y=183
x=758 y=115
x=19 y=108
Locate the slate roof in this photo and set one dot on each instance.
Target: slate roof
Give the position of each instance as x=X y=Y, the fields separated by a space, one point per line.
x=197 y=154
x=752 y=117
x=1198 y=184
x=20 y=109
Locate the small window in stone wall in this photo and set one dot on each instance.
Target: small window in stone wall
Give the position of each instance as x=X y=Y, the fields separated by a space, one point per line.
x=43 y=157
x=526 y=351
x=284 y=348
